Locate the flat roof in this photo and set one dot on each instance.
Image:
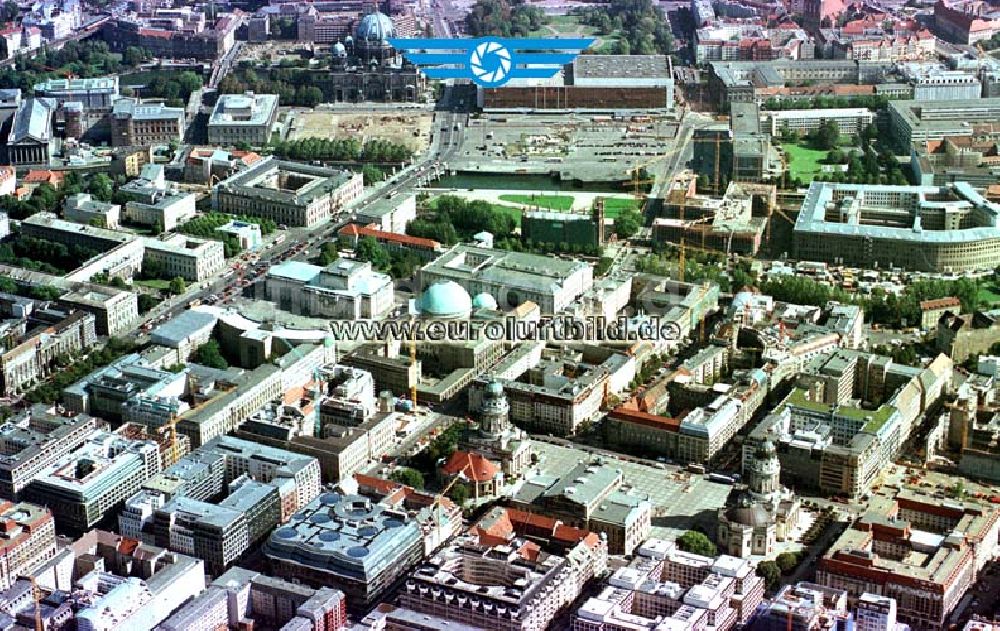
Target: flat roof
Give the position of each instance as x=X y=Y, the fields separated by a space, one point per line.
x=621 y=66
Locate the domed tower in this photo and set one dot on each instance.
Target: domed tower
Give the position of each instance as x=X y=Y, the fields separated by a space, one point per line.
x=495 y=412
x=371 y=37
x=445 y=300
x=765 y=472
x=338 y=54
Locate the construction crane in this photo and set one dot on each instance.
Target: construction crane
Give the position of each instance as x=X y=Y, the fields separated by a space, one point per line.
x=437 y=503
x=413 y=365
x=36 y=595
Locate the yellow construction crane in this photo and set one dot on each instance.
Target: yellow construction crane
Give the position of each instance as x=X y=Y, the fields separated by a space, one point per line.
x=36 y=595
x=413 y=365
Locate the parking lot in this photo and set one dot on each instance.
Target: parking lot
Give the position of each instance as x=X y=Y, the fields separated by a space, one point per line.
x=681 y=500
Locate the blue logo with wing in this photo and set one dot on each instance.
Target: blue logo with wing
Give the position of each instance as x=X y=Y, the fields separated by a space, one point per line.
x=491 y=61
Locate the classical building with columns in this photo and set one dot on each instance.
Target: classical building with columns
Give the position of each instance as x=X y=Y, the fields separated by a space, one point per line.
x=763 y=514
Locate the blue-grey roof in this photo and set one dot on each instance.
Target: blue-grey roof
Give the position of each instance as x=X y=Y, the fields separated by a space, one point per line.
x=296 y=270
x=179 y=328
x=375 y=27
x=33 y=120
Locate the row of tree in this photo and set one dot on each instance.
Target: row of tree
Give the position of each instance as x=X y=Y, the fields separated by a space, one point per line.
x=72 y=368
x=873 y=102
x=90 y=58
x=294 y=86
x=342 y=150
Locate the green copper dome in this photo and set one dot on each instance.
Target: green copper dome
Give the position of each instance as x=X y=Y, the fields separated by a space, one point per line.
x=445 y=299
x=484 y=301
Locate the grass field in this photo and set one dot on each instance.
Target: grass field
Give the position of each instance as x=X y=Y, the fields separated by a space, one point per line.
x=551 y=202
x=153 y=284
x=614 y=206
x=803 y=162
x=989 y=293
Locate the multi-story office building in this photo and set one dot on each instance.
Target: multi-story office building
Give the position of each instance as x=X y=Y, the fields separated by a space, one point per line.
x=82 y=487
x=850 y=121
x=53 y=334
x=244 y=595
x=916 y=550
x=116 y=310
x=806 y=607
x=913 y=121
x=511 y=278
x=135 y=123
x=927 y=228
x=875 y=613
x=287 y=192
x=35 y=439
x=945 y=85
x=177 y=509
x=27 y=542
x=591 y=496
x=674 y=590
x=346 y=289
x=219 y=532
x=242 y=118
x=105 y=391
x=826 y=441
x=492 y=582
x=347 y=541
x=191 y=258
x=97 y=93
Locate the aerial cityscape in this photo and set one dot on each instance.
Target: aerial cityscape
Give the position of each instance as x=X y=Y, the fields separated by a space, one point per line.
x=502 y=315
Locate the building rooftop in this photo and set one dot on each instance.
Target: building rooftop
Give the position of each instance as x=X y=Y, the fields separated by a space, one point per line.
x=243 y=109
x=622 y=67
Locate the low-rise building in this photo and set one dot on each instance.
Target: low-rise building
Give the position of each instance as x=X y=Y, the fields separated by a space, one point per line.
x=82 y=208
x=242 y=118
x=186 y=331
x=849 y=121
x=806 y=606
x=590 y=496
x=247 y=235
x=345 y=289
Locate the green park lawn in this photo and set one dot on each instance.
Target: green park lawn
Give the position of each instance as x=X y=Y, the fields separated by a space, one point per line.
x=804 y=162
x=614 y=206
x=551 y=202
x=989 y=293
x=154 y=284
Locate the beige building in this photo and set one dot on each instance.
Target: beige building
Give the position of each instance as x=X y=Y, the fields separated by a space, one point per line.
x=135 y=123
x=288 y=193
x=191 y=258
x=59 y=335
x=914 y=548
x=27 y=542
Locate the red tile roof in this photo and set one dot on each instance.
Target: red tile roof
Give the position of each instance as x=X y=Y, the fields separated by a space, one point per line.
x=472 y=465
x=940 y=303
x=44 y=176
x=355 y=230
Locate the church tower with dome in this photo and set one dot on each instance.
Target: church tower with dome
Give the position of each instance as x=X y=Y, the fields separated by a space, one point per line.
x=365 y=67
x=763 y=513
x=496 y=438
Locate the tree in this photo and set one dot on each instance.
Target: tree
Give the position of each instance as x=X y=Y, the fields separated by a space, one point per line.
x=696 y=543
x=101 y=187
x=459 y=493
x=7 y=285
x=372 y=174
x=368 y=249
x=45 y=292
x=787 y=561
x=209 y=354
x=770 y=572
x=409 y=477
x=147 y=302
x=827 y=136
x=177 y=286
x=628 y=223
